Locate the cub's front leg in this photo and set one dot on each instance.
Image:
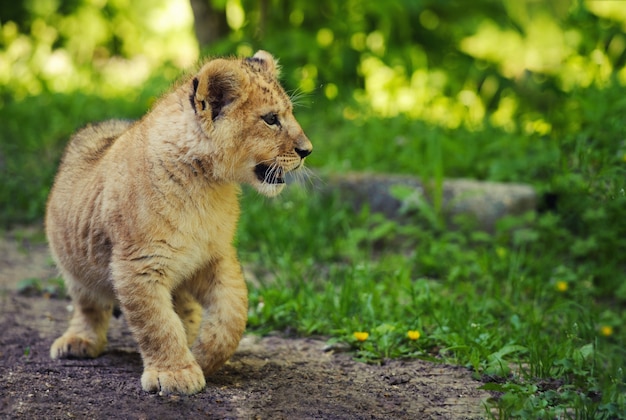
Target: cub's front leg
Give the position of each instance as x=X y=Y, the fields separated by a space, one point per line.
x=222 y=291
x=145 y=295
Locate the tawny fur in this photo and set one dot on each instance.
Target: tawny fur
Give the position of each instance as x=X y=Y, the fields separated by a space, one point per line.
x=143 y=214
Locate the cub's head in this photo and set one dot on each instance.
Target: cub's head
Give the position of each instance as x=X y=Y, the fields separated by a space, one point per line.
x=247 y=119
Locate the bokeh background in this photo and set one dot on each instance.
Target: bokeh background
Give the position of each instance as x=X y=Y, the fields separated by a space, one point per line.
x=505 y=90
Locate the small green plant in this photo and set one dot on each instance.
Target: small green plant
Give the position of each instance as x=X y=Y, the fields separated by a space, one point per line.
x=53 y=287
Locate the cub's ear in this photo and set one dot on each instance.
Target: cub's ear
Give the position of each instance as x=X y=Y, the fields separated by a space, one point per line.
x=264 y=61
x=217 y=84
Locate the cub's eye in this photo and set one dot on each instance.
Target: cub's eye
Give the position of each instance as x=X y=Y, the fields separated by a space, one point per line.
x=271 y=119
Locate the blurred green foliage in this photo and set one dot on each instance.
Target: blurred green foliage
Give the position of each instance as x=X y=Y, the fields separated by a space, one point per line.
x=512 y=62
x=103 y=46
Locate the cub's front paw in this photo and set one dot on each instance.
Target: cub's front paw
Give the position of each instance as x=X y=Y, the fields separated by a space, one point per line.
x=70 y=345
x=188 y=380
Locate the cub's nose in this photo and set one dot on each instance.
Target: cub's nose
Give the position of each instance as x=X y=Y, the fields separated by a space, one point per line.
x=303 y=146
x=303 y=152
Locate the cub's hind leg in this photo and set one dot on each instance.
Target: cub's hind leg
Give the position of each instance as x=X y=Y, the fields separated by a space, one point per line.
x=87 y=334
x=189 y=311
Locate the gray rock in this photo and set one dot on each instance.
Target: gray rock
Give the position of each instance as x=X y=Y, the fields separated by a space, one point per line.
x=397 y=195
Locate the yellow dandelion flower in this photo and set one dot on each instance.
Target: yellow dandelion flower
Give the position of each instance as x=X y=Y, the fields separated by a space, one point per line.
x=561 y=286
x=413 y=335
x=606 y=330
x=361 y=335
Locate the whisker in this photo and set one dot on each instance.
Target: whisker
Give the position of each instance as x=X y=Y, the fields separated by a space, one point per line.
x=296 y=96
x=273 y=173
x=307 y=178
x=269 y=174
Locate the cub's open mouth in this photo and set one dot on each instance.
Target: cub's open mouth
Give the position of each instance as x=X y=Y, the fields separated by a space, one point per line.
x=269 y=174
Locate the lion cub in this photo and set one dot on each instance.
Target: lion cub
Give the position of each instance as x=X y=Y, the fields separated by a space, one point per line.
x=144 y=214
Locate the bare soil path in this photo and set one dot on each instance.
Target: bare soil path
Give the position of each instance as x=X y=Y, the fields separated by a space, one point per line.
x=267 y=378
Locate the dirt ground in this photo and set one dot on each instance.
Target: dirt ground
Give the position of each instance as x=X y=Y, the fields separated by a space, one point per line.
x=267 y=378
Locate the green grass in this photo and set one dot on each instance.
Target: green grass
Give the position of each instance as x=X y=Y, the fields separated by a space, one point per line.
x=535 y=310
x=493 y=303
